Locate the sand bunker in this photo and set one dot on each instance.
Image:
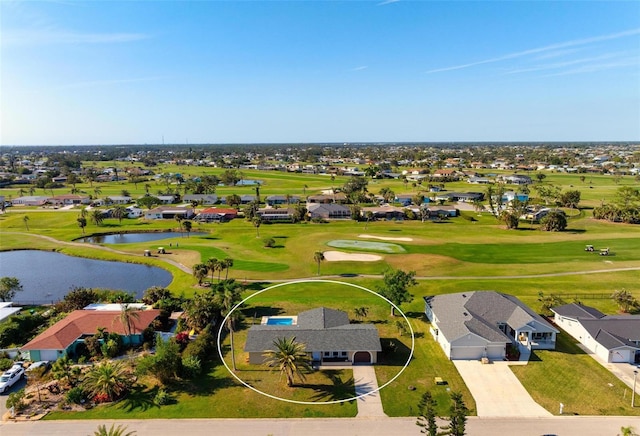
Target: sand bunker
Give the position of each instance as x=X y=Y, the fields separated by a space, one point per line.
x=384 y=238
x=335 y=256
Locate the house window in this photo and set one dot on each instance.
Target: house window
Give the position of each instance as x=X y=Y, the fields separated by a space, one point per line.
x=335 y=354
x=343 y=353
x=327 y=354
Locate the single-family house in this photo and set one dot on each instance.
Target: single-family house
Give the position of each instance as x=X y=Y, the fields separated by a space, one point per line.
x=613 y=338
x=7 y=309
x=119 y=199
x=168 y=212
x=517 y=179
x=439 y=211
x=69 y=199
x=477 y=324
x=328 y=211
x=30 y=200
x=338 y=197
x=217 y=214
x=283 y=214
x=204 y=199
x=509 y=196
x=166 y=199
x=63 y=337
x=280 y=200
x=326 y=333
x=384 y=212
x=247 y=199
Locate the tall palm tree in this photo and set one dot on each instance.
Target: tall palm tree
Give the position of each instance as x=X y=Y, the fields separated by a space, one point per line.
x=290 y=358
x=96 y=217
x=200 y=271
x=119 y=212
x=128 y=316
x=318 y=256
x=227 y=263
x=97 y=191
x=25 y=220
x=256 y=223
x=227 y=300
x=212 y=264
x=32 y=190
x=82 y=223
x=109 y=378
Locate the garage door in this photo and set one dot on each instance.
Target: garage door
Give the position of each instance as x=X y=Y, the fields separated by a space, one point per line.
x=466 y=353
x=49 y=355
x=621 y=356
x=362 y=357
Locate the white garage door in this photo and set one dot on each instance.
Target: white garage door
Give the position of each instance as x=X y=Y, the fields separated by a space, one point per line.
x=621 y=356
x=49 y=355
x=466 y=353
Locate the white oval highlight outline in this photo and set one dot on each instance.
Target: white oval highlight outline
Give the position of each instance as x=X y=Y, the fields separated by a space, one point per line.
x=219 y=343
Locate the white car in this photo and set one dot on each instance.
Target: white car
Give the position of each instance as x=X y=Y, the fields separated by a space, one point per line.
x=10 y=377
x=38 y=365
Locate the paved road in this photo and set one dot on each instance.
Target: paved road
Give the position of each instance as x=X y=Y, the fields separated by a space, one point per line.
x=560 y=426
x=497 y=391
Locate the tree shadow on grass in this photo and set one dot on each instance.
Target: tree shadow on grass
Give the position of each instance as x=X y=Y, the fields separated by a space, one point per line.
x=338 y=389
x=140 y=398
x=394 y=352
x=257 y=312
x=256 y=286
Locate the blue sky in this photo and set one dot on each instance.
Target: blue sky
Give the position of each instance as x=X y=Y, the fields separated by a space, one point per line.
x=108 y=72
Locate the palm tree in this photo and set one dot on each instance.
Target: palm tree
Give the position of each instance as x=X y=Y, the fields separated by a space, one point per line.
x=119 y=212
x=212 y=265
x=290 y=358
x=97 y=191
x=82 y=223
x=96 y=217
x=32 y=190
x=187 y=227
x=147 y=188
x=113 y=431
x=110 y=378
x=128 y=315
x=256 y=223
x=200 y=271
x=227 y=263
x=25 y=220
x=318 y=256
x=227 y=300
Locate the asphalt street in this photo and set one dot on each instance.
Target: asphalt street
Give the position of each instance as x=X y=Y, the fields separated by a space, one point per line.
x=560 y=426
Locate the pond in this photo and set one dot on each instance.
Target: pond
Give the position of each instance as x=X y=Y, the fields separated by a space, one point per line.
x=128 y=238
x=47 y=276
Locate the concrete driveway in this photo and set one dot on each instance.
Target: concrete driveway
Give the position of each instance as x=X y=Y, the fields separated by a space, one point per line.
x=497 y=391
x=365 y=380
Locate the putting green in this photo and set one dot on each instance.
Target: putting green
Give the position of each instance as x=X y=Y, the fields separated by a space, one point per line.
x=381 y=247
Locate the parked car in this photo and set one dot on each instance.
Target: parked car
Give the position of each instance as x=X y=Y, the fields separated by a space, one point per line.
x=38 y=365
x=10 y=378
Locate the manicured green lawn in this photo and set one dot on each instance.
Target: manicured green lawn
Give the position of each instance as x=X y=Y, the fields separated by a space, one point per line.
x=482 y=254
x=573 y=378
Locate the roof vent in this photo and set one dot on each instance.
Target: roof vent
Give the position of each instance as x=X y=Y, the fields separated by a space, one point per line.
x=465 y=313
x=464 y=295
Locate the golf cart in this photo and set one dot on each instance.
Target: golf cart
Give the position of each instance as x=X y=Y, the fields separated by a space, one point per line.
x=589 y=248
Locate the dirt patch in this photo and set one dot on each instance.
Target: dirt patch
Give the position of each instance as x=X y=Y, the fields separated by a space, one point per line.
x=336 y=256
x=385 y=238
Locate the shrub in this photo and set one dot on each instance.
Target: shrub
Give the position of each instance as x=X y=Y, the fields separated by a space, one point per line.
x=16 y=400
x=76 y=395
x=5 y=363
x=269 y=243
x=161 y=398
x=202 y=347
x=191 y=366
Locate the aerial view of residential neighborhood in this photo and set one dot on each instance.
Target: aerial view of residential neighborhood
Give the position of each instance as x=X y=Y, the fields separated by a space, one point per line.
x=300 y=218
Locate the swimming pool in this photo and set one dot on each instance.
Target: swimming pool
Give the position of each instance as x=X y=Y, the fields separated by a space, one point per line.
x=279 y=320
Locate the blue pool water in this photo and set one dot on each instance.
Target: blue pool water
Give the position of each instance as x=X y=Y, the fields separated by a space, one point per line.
x=280 y=321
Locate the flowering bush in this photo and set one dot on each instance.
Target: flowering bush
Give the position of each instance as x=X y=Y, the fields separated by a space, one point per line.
x=101 y=398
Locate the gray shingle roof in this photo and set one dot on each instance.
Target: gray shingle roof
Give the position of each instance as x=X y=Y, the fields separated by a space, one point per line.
x=576 y=311
x=479 y=312
x=613 y=332
x=320 y=329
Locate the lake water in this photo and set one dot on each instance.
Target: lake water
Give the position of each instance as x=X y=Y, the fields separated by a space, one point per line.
x=128 y=238
x=47 y=276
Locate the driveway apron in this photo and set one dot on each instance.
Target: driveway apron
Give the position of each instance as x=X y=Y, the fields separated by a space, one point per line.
x=497 y=391
x=365 y=380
